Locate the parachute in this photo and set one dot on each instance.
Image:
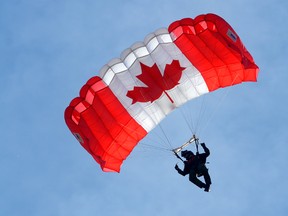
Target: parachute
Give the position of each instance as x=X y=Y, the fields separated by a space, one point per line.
x=134 y=92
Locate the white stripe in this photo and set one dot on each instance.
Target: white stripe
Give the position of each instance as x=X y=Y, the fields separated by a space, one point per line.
x=120 y=75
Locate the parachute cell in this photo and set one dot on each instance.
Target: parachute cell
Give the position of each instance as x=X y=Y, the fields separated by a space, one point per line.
x=150 y=79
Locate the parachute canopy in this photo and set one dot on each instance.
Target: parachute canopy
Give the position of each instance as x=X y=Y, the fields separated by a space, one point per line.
x=134 y=92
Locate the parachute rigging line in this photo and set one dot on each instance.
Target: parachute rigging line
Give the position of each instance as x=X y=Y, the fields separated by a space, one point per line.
x=190 y=141
x=223 y=96
x=193 y=139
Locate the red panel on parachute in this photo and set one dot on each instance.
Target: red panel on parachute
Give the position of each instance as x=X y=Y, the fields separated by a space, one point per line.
x=102 y=125
x=215 y=49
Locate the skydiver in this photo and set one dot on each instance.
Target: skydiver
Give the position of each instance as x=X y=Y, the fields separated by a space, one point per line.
x=194 y=165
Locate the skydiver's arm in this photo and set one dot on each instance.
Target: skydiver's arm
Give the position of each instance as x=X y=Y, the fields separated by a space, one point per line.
x=178 y=157
x=181 y=172
x=206 y=150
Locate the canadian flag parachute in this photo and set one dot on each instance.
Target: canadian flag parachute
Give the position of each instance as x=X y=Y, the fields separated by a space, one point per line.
x=133 y=93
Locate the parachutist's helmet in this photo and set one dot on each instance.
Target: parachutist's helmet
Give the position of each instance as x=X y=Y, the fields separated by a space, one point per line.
x=186 y=154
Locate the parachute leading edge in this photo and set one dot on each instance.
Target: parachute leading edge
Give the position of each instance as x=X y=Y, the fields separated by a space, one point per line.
x=150 y=79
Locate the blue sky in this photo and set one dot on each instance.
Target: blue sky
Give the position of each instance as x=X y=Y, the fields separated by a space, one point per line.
x=49 y=49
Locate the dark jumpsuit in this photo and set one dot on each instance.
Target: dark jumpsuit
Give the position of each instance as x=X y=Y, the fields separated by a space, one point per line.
x=195 y=166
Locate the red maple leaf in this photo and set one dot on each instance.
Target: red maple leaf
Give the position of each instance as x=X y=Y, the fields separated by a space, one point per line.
x=156 y=83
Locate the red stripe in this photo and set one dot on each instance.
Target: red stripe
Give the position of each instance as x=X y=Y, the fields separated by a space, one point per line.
x=215 y=49
x=102 y=125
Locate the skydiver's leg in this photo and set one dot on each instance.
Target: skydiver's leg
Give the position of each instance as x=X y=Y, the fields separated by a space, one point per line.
x=207 y=178
x=204 y=171
x=195 y=180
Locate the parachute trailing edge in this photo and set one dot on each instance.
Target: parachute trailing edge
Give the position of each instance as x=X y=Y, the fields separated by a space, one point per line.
x=133 y=93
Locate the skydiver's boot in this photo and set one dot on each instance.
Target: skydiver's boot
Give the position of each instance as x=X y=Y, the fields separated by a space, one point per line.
x=207 y=188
